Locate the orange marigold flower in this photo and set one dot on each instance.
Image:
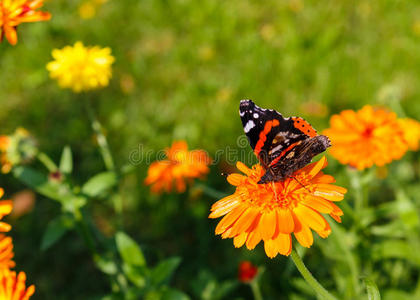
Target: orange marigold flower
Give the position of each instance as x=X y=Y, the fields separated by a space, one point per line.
x=6 y=207
x=6 y=252
x=14 y=12
x=411 y=132
x=5 y=163
x=182 y=165
x=247 y=271
x=271 y=212
x=366 y=137
x=13 y=287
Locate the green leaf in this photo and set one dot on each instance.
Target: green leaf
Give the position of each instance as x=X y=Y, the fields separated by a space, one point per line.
x=55 y=230
x=99 y=183
x=397 y=249
x=173 y=294
x=372 y=289
x=129 y=250
x=166 y=293
x=137 y=275
x=106 y=265
x=38 y=181
x=66 y=161
x=73 y=204
x=163 y=271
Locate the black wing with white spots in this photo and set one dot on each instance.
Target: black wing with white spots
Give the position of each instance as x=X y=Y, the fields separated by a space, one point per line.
x=268 y=132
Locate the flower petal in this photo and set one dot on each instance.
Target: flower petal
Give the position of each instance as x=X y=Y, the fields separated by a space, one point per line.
x=230 y=219
x=285 y=221
x=302 y=233
x=243 y=168
x=253 y=239
x=226 y=205
x=318 y=203
x=284 y=244
x=311 y=218
x=267 y=225
x=236 y=179
x=314 y=168
x=245 y=220
x=270 y=248
x=239 y=240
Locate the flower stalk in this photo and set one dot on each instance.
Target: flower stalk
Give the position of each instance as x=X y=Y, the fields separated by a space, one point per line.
x=256 y=291
x=310 y=279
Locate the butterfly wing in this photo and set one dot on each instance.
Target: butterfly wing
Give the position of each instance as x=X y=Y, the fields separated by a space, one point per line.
x=271 y=135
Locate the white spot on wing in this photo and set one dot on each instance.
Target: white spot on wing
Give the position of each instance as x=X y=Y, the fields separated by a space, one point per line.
x=255 y=115
x=242 y=113
x=249 y=126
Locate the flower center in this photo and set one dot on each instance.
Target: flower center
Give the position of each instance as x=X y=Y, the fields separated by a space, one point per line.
x=368 y=133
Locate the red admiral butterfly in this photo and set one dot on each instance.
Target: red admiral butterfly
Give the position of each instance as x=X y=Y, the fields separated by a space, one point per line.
x=282 y=145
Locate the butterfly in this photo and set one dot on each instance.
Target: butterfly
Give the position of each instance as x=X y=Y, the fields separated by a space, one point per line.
x=282 y=145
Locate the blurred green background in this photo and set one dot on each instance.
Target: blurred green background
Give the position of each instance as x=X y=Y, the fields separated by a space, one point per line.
x=181 y=68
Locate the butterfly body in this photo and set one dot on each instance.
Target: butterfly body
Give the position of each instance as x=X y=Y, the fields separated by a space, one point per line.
x=282 y=145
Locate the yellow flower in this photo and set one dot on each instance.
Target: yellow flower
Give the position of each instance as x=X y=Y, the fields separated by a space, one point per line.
x=13 y=287
x=87 y=10
x=81 y=68
x=366 y=137
x=271 y=212
x=14 y=12
x=180 y=166
x=6 y=207
x=411 y=132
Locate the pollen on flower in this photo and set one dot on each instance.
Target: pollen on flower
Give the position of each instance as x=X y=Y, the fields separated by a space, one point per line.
x=180 y=167
x=271 y=212
x=366 y=137
x=15 y=12
x=81 y=68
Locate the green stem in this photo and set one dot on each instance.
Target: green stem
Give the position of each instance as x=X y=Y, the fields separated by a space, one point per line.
x=211 y=192
x=47 y=161
x=100 y=138
x=256 y=291
x=84 y=230
x=106 y=156
x=350 y=258
x=310 y=279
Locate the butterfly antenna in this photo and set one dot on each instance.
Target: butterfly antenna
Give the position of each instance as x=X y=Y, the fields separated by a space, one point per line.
x=300 y=183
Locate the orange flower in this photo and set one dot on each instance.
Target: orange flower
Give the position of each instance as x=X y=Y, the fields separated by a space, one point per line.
x=180 y=166
x=5 y=163
x=411 y=132
x=13 y=287
x=6 y=207
x=247 y=271
x=6 y=252
x=14 y=12
x=366 y=137
x=271 y=212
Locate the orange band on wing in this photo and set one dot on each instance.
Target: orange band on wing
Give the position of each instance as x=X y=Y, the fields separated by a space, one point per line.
x=284 y=152
x=263 y=135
